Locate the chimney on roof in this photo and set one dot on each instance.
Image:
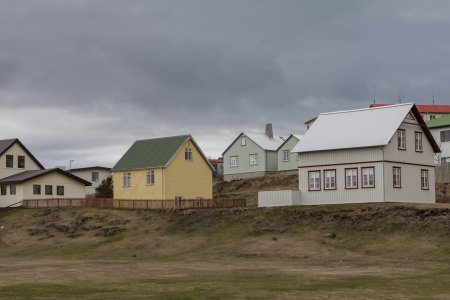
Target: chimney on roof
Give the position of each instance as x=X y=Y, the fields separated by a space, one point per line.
x=269 y=131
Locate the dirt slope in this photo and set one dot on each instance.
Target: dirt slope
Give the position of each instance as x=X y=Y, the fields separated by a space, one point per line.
x=248 y=188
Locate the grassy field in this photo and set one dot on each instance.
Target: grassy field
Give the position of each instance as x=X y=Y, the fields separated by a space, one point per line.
x=332 y=252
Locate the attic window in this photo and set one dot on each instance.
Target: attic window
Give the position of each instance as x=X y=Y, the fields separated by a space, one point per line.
x=9 y=161
x=21 y=162
x=409 y=116
x=243 y=141
x=188 y=154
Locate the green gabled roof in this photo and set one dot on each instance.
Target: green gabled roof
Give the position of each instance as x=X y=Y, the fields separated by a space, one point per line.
x=151 y=153
x=439 y=122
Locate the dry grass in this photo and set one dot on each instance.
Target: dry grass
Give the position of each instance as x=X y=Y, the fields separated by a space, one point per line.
x=379 y=251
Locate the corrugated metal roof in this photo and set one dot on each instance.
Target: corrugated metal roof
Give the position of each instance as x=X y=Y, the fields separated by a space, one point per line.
x=423 y=108
x=439 y=122
x=265 y=142
x=366 y=127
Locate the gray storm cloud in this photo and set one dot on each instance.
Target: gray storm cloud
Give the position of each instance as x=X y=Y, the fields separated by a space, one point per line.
x=83 y=79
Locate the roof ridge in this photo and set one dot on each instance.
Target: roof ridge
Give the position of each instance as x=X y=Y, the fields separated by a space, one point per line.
x=164 y=137
x=366 y=108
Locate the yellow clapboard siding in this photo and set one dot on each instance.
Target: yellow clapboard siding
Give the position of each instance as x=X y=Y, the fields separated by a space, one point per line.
x=138 y=188
x=188 y=179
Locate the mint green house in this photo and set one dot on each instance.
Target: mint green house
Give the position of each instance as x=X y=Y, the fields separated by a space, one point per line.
x=287 y=161
x=256 y=154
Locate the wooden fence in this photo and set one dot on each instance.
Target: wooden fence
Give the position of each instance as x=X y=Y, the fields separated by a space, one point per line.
x=135 y=204
x=442 y=172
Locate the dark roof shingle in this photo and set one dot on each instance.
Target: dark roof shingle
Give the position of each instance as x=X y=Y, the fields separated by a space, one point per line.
x=28 y=175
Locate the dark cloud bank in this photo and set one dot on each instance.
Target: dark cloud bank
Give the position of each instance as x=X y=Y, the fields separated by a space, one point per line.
x=83 y=79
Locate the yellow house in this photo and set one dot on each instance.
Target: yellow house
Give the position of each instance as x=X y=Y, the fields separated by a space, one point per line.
x=164 y=169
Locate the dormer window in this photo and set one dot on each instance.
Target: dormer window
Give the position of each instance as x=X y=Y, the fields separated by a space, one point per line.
x=243 y=141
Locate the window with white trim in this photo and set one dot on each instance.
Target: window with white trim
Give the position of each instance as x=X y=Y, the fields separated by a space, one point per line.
x=397 y=177
x=127 y=179
x=418 y=141
x=243 y=141
x=401 y=139
x=368 y=177
x=48 y=189
x=286 y=155
x=314 y=180
x=253 y=159
x=60 y=190
x=445 y=136
x=188 y=154
x=12 y=189
x=94 y=176
x=150 y=177
x=424 y=181
x=36 y=189
x=330 y=179
x=234 y=161
x=351 y=178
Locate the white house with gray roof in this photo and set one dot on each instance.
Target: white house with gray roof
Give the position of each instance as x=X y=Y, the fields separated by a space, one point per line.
x=382 y=154
x=256 y=154
x=23 y=177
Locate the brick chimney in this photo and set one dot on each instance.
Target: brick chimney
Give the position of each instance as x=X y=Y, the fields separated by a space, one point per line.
x=269 y=131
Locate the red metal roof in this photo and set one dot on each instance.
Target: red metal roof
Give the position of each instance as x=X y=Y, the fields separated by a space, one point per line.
x=217 y=161
x=445 y=109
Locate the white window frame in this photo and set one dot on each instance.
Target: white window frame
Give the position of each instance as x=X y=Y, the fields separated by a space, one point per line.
x=95 y=179
x=243 y=141
x=234 y=161
x=401 y=139
x=424 y=179
x=188 y=154
x=126 y=179
x=329 y=178
x=351 y=173
x=286 y=155
x=314 y=180
x=12 y=189
x=418 y=141
x=365 y=178
x=150 y=177
x=397 y=177
x=253 y=159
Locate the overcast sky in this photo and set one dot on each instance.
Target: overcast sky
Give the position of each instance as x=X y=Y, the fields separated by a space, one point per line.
x=83 y=80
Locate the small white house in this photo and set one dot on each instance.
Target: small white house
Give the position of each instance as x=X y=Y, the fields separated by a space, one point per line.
x=95 y=175
x=383 y=154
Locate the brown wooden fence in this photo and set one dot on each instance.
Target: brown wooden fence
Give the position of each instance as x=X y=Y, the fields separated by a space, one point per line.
x=443 y=173
x=135 y=204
